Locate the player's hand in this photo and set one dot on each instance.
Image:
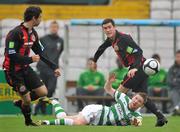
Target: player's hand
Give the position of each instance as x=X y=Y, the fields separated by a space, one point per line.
x=136 y=122
x=112 y=77
x=57 y=72
x=132 y=72
x=35 y=58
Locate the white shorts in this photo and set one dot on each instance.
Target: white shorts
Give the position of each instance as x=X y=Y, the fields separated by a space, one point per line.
x=92 y=113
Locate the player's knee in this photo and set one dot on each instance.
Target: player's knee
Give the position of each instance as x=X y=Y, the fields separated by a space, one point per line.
x=78 y=122
x=41 y=91
x=27 y=101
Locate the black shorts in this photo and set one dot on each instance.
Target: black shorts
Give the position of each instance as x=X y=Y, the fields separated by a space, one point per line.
x=23 y=81
x=138 y=83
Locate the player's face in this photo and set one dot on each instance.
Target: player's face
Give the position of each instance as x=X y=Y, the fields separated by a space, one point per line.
x=37 y=21
x=137 y=101
x=109 y=30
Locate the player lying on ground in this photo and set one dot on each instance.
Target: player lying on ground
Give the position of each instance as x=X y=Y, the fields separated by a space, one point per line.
x=124 y=112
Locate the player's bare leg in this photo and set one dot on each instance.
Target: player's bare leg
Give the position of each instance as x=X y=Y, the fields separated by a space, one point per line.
x=24 y=105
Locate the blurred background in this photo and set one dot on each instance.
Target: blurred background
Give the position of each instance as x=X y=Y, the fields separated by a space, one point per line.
x=154 y=25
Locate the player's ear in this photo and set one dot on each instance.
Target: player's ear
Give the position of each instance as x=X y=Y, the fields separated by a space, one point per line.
x=33 y=18
x=142 y=105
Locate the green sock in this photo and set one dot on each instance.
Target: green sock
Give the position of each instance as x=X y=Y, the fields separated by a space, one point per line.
x=61 y=122
x=59 y=111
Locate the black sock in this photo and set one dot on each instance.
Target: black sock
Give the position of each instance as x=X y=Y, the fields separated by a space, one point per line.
x=34 y=96
x=26 y=110
x=152 y=107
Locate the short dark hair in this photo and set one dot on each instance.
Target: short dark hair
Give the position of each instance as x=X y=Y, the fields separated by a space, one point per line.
x=108 y=20
x=91 y=59
x=178 y=52
x=32 y=11
x=143 y=95
x=156 y=56
x=54 y=22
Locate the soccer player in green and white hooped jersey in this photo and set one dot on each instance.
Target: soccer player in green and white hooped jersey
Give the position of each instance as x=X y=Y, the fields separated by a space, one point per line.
x=124 y=112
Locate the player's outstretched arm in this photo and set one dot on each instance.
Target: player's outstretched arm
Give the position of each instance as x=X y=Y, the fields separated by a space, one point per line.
x=108 y=85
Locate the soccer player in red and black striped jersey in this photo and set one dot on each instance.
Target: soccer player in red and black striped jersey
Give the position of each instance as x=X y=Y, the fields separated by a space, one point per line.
x=18 y=73
x=130 y=55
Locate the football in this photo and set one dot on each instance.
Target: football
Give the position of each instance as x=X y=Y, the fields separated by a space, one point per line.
x=151 y=66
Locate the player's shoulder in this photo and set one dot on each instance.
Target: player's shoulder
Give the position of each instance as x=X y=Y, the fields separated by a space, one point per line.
x=124 y=34
x=14 y=32
x=16 y=29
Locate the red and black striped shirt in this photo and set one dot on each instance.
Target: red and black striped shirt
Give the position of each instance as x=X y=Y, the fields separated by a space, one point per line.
x=18 y=43
x=129 y=53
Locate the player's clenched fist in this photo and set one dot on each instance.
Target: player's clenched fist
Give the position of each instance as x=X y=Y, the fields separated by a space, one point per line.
x=57 y=72
x=35 y=58
x=136 y=122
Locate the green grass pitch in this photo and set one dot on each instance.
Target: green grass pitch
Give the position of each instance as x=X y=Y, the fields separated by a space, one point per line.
x=16 y=124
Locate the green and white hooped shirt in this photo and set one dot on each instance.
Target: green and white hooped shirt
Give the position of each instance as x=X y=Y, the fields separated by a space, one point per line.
x=118 y=114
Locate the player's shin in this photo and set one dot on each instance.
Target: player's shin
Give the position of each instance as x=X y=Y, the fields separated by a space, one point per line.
x=62 y=121
x=152 y=107
x=59 y=111
x=161 y=119
x=26 y=110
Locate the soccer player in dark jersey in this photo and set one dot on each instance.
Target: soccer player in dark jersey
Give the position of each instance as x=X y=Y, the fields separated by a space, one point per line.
x=18 y=73
x=130 y=55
